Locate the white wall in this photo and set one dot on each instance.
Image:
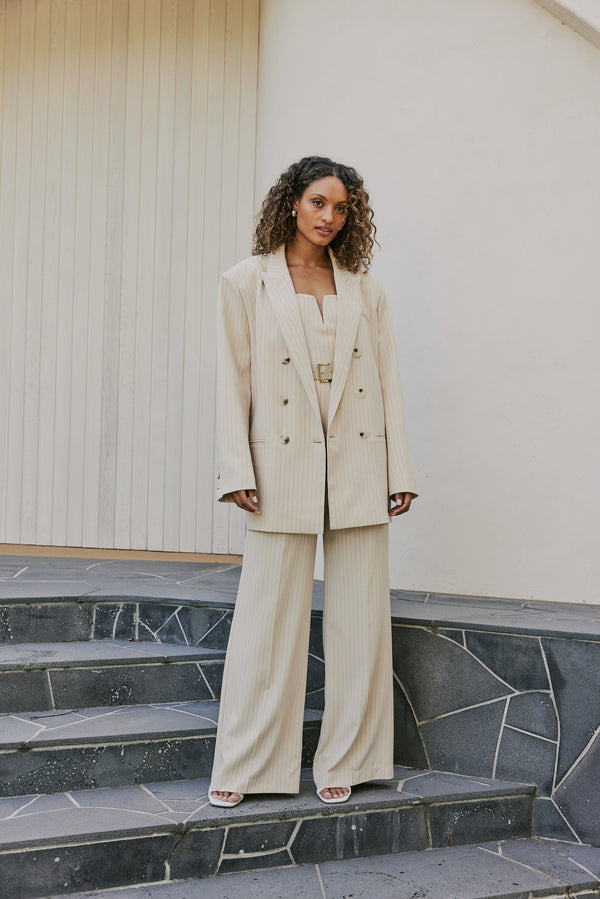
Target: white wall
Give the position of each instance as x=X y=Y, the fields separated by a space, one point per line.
x=589 y=10
x=583 y=16
x=126 y=179
x=476 y=124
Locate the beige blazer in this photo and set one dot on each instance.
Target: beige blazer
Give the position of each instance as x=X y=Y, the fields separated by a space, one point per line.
x=270 y=433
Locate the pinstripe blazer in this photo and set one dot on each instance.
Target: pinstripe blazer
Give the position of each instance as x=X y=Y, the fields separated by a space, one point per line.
x=270 y=433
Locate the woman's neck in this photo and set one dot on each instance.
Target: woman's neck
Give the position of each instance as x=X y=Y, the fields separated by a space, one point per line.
x=305 y=254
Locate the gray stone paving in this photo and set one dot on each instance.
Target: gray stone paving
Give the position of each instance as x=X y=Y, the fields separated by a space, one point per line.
x=37 y=577
x=489 y=688
x=141 y=721
x=50 y=818
x=517 y=869
x=109 y=652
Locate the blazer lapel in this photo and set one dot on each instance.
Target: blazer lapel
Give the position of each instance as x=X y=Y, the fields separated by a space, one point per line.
x=348 y=319
x=281 y=292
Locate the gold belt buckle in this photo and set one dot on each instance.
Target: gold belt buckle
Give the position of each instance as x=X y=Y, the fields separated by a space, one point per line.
x=324 y=372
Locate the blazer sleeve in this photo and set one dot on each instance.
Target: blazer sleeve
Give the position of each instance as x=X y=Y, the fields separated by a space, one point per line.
x=235 y=469
x=400 y=472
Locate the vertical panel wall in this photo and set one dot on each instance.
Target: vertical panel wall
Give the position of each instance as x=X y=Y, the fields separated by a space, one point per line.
x=126 y=187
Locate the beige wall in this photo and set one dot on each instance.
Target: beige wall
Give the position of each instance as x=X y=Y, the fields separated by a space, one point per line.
x=476 y=124
x=127 y=162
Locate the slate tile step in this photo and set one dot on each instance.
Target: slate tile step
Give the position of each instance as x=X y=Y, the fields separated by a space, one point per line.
x=34 y=730
x=44 y=676
x=518 y=869
x=69 y=841
x=92 y=653
x=49 y=751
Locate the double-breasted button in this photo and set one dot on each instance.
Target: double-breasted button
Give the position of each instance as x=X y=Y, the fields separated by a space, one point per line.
x=364 y=434
x=285 y=440
x=356 y=353
x=362 y=392
x=284 y=401
x=285 y=360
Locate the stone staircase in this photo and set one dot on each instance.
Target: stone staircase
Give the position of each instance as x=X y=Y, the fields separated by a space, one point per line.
x=108 y=718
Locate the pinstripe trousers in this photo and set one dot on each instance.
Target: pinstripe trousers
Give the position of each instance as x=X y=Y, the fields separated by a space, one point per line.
x=259 y=738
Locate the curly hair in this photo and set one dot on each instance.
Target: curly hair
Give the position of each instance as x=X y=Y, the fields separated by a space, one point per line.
x=352 y=246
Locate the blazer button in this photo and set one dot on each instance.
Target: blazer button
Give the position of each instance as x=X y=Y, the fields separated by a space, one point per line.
x=362 y=392
x=285 y=440
x=364 y=434
x=284 y=401
x=285 y=360
x=356 y=353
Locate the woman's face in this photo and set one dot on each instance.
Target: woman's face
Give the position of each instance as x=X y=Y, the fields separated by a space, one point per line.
x=322 y=210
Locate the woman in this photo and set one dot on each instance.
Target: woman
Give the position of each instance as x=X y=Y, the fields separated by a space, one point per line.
x=312 y=441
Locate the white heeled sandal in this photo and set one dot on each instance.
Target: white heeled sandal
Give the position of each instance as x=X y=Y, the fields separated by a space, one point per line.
x=222 y=803
x=335 y=800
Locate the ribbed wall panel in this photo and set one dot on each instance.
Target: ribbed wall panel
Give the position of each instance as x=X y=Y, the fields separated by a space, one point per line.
x=126 y=187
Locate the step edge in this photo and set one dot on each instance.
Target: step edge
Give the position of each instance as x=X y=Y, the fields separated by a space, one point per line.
x=182 y=828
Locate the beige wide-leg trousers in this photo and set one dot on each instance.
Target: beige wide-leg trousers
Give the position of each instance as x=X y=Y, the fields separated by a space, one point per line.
x=259 y=738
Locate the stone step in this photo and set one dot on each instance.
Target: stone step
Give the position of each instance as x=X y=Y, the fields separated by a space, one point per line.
x=167 y=831
x=527 y=867
x=48 y=751
x=152 y=618
x=44 y=676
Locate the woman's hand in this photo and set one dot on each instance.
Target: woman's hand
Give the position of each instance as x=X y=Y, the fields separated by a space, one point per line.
x=402 y=500
x=246 y=499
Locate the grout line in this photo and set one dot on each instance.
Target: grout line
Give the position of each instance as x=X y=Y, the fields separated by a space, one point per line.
x=165 y=622
x=206 y=574
x=225 y=833
x=435 y=630
x=478 y=660
x=428 y=826
x=263 y=852
x=411 y=707
x=577 y=837
x=146 y=789
x=467 y=708
x=216 y=624
x=205 y=679
x=290 y=843
x=579 y=758
x=116 y=621
x=321 y=884
x=51 y=691
x=185 y=636
x=500 y=734
x=72 y=842
x=514 y=861
x=555 y=706
x=529 y=733
x=583 y=868
x=198 y=808
x=21 y=808
x=72 y=799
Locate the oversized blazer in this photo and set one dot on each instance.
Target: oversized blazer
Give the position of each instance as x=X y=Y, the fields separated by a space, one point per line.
x=270 y=431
